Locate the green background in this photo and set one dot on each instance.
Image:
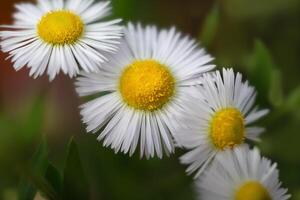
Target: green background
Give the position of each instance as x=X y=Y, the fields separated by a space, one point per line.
x=259 y=38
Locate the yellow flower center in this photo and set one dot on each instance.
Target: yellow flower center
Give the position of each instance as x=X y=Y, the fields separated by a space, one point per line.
x=146 y=85
x=252 y=190
x=60 y=27
x=227 y=128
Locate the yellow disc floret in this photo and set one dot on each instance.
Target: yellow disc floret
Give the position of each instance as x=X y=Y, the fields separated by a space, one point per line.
x=60 y=27
x=227 y=128
x=146 y=85
x=252 y=190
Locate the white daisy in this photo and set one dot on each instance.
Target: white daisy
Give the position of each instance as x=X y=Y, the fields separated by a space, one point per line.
x=146 y=83
x=60 y=35
x=241 y=174
x=219 y=118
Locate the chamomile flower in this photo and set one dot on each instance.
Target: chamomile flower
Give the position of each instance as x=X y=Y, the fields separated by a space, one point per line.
x=220 y=117
x=60 y=35
x=241 y=174
x=145 y=85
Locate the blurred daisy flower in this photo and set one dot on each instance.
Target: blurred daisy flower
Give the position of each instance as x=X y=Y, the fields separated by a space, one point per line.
x=219 y=118
x=56 y=35
x=146 y=83
x=241 y=174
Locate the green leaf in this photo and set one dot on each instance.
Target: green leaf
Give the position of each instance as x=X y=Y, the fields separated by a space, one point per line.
x=275 y=92
x=33 y=123
x=26 y=191
x=38 y=165
x=124 y=9
x=54 y=178
x=45 y=187
x=75 y=185
x=293 y=100
x=210 y=26
x=33 y=178
x=261 y=70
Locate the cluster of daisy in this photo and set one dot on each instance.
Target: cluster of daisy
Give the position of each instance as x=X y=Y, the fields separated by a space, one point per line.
x=153 y=90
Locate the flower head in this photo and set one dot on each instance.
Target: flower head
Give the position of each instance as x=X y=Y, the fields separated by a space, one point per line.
x=60 y=35
x=219 y=118
x=146 y=83
x=241 y=174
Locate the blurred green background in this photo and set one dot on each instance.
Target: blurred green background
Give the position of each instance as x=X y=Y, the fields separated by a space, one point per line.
x=259 y=38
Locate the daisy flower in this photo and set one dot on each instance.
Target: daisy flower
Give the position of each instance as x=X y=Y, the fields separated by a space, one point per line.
x=241 y=174
x=60 y=35
x=220 y=117
x=145 y=85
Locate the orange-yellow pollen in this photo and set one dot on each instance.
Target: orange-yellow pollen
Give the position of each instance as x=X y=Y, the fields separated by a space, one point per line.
x=60 y=27
x=227 y=128
x=146 y=85
x=252 y=190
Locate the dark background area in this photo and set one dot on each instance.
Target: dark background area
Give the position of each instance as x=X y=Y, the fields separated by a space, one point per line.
x=259 y=38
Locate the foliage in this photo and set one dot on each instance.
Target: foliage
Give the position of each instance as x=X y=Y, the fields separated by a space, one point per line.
x=31 y=161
